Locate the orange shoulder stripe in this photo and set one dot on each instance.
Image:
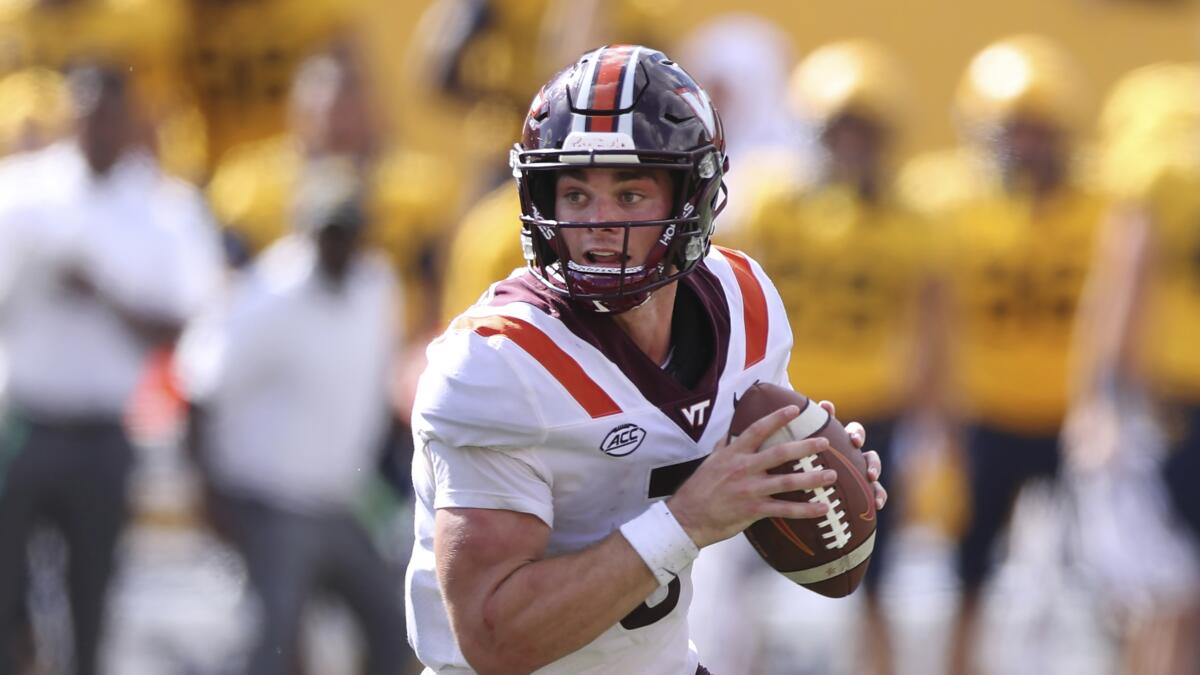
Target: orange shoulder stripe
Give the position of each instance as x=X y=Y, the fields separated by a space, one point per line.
x=560 y=365
x=754 y=305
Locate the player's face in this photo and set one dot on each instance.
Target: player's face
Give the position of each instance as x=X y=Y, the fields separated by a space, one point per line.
x=611 y=196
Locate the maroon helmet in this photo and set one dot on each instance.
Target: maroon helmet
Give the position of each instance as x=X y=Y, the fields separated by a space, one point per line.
x=620 y=106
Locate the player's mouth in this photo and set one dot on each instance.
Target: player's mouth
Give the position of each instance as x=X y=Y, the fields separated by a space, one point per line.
x=600 y=256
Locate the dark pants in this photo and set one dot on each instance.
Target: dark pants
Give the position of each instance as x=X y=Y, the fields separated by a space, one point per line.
x=880 y=434
x=72 y=476
x=999 y=463
x=1182 y=466
x=290 y=555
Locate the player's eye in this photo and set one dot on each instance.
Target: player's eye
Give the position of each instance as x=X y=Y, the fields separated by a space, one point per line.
x=574 y=197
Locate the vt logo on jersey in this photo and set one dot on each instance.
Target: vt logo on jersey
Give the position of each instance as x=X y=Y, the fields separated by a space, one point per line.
x=623 y=440
x=696 y=412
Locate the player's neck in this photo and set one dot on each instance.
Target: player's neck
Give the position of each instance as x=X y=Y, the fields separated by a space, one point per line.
x=649 y=326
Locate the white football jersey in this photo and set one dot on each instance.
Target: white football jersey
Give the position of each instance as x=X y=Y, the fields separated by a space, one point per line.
x=530 y=405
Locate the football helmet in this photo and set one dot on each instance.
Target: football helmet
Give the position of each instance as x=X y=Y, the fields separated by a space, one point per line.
x=1022 y=75
x=620 y=106
x=850 y=77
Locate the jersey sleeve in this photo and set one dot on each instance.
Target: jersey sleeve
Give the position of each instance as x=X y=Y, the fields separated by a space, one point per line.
x=476 y=424
x=472 y=394
x=489 y=478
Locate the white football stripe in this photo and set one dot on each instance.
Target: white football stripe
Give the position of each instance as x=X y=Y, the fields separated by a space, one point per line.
x=808 y=422
x=840 y=566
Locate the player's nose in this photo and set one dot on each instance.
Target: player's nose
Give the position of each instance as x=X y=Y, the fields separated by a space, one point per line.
x=603 y=211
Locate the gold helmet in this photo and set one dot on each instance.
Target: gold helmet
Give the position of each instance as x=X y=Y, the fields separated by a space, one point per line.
x=854 y=76
x=1024 y=75
x=1150 y=122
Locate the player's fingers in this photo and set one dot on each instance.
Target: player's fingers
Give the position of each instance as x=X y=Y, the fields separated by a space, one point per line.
x=777 y=484
x=858 y=434
x=829 y=407
x=874 y=465
x=881 y=495
x=781 y=508
x=786 y=453
x=756 y=433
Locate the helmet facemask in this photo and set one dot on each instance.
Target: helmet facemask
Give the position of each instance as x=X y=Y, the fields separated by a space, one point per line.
x=683 y=240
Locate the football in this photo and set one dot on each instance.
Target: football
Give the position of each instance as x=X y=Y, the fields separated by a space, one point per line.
x=830 y=554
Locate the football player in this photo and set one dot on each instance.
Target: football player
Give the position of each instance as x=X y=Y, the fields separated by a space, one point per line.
x=855 y=321
x=571 y=426
x=1138 y=332
x=239 y=59
x=1018 y=252
x=332 y=116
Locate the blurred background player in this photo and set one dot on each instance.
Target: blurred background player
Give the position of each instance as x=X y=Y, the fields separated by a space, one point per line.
x=104 y=259
x=291 y=414
x=1137 y=359
x=239 y=57
x=412 y=196
x=744 y=60
x=860 y=337
x=1017 y=255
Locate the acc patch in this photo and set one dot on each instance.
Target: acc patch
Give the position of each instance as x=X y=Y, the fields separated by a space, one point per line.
x=623 y=440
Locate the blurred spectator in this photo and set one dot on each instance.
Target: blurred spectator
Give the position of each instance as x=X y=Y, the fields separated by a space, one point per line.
x=103 y=260
x=1138 y=363
x=412 y=196
x=743 y=61
x=862 y=330
x=289 y=387
x=1017 y=255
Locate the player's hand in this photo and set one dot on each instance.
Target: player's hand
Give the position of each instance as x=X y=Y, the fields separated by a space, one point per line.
x=858 y=436
x=732 y=489
x=1091 y=433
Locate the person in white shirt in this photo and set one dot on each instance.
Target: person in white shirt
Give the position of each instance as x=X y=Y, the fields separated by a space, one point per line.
x=571 y=455
x=290 y=410
x=102 y=259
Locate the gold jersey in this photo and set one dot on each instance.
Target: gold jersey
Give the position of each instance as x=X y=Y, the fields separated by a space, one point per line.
x=138 y=34
x=850 y=275
x=1015 y=273
x=1170 y=334
x=485 y=249
x=412 y=206
x=240 y=58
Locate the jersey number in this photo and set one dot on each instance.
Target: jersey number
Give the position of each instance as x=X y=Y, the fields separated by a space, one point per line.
x=643 y=615
x=664 y=480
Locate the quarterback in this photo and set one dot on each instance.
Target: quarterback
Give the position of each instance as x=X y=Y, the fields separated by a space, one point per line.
x=571 y=454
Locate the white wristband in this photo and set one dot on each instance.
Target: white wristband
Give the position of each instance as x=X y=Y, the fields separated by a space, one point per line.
x=661 y=542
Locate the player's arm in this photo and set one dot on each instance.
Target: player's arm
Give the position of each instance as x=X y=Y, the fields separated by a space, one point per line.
x=1105 y=334
x=1113 y=298
x=513 y=610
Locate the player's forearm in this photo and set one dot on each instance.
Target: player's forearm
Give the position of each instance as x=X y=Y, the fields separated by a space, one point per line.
x=549 y=608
